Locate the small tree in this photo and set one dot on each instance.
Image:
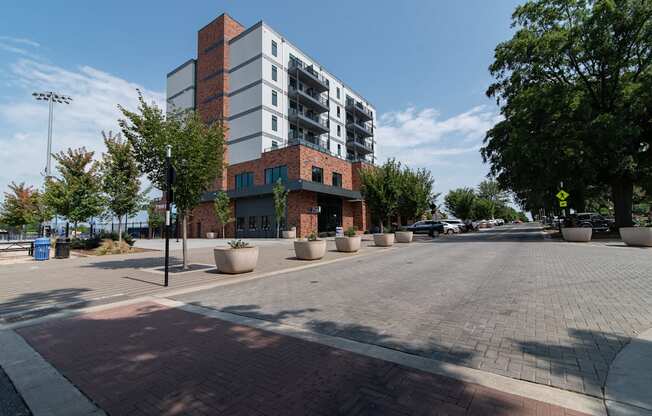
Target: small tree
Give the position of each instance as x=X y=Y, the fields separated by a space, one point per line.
x=381 y=190
x=154 y=218
x=77 y=194
x=483 y=209
x=23 y=205
x=416 y=193
x=280 y=204
x=491 y=191
x=197 y=154
x=459 y=202
x=222 y=208
x=120 y=181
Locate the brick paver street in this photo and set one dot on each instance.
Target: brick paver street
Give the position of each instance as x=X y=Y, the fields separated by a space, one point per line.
x=504 y=301
x=35 y=289
x=150 y=360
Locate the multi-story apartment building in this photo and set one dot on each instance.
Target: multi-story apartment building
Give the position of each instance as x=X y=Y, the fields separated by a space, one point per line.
x=286 y=117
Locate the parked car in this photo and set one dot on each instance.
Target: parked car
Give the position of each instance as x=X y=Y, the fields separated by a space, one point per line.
x=450 y=228
x=593 y=220
x=458 y=223
x=430 y=227
x=500 y=221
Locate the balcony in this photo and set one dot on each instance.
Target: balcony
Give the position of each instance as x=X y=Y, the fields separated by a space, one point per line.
x=313 y=142
x=361 y=112
x=316 y=102
x=359 y=146
x=308 y=75
x=309 y=121
x=359 y=128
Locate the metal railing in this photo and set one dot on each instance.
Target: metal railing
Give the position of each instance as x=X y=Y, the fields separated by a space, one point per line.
x=350 y=103
x=316 y=119
x=309 y=69
x=317 y=97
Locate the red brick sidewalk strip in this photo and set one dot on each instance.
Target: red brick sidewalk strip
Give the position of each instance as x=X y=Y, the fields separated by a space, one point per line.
x=147 y=359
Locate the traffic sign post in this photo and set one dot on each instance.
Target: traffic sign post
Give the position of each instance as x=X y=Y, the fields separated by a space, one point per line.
x=562 y=195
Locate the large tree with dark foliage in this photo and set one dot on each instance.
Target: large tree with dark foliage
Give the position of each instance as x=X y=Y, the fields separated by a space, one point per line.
x=575 y=88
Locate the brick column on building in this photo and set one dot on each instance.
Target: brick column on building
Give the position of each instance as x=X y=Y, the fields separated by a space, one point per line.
x=212 y=99
x=213 y=74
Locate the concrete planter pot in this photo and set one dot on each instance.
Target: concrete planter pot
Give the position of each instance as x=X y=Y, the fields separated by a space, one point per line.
x=384 y=240
x=637 y=236
x=310 y=250
x=404 y=236
x=235 y=260
x=577 y=235
x=289 y=234
x=348 y=244
x=210 y=235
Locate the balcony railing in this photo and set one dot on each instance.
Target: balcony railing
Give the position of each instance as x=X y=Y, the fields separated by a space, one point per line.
x=308 y=74
x=312 y=122
x=315 y=101
x=359 y=109
x=359 y=128
x=359 y=144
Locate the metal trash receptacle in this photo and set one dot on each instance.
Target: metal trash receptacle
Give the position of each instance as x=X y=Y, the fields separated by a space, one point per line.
x=62 y=248
x=42 y=249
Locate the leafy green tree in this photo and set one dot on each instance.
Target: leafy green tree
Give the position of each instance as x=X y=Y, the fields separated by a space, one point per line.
x=197 y=153
x=154 y=218
x=76 y=195
x=120 y=179
x=460 y=202
x=381 y=190
x=22 y=206
x=483 y=209
x=490 y=190
x=589 y=64
x=416 y=193
x=280 y=204
x=222 y=209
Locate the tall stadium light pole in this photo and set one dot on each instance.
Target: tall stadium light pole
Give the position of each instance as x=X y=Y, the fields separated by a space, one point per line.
x=51 y=98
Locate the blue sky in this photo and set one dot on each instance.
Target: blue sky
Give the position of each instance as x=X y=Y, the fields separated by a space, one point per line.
x=423 y=64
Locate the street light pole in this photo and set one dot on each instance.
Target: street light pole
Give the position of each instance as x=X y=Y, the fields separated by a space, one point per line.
x=168 y=195
x=51 y=97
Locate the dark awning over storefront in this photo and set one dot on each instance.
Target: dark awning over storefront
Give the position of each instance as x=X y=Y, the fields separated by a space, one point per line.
x=296 y=185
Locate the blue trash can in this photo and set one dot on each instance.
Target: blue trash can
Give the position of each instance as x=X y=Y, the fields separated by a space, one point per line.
x=42 y=249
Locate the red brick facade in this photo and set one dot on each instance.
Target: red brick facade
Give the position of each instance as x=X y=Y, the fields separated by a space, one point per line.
x=213 y=105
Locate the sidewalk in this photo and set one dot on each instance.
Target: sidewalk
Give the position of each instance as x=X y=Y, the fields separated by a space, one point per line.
x=148 y=359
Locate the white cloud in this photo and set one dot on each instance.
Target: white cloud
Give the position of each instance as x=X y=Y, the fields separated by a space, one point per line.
x=23 y=120
x=447 y=146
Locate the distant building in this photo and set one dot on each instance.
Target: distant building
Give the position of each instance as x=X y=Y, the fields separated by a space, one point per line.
x=288 y=118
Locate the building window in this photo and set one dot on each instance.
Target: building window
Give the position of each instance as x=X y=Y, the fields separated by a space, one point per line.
x=274 y=73
x=274 y=144
x=240 y=224
x=274 y=98
x=339 y=149
x=338 y=111
x=337 y=179
x=252 y=223
x=317 y=174
x=272 y=175
x=265 y=224
x=274 y=123
x=339 y=131
x=274 y=48
x=337 y=92
x=244 y=180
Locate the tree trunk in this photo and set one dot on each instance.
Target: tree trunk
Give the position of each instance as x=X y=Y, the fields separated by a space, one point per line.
x=119 y=231
x=223 y=231
x=278 y=229
x=185 y=241
x=622 y=191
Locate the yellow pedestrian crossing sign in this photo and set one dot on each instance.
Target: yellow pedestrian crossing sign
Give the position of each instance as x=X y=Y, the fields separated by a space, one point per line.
x=563 y=204
x=562 y=195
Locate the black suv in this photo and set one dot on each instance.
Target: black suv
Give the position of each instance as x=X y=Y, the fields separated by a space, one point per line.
x=591 y=220
x=430 y=227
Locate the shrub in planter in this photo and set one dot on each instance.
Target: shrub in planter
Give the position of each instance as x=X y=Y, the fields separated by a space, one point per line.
x=572 y=233
x=637 y=236
x=311 y=248
x=238 y=257
x=291 y=233
x=385 y=239
x=210 y=236
x=350 y=243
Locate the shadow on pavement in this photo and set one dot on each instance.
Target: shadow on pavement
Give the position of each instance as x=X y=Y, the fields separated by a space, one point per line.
x=36 y=304
x=140 y=263
x=149 y=359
